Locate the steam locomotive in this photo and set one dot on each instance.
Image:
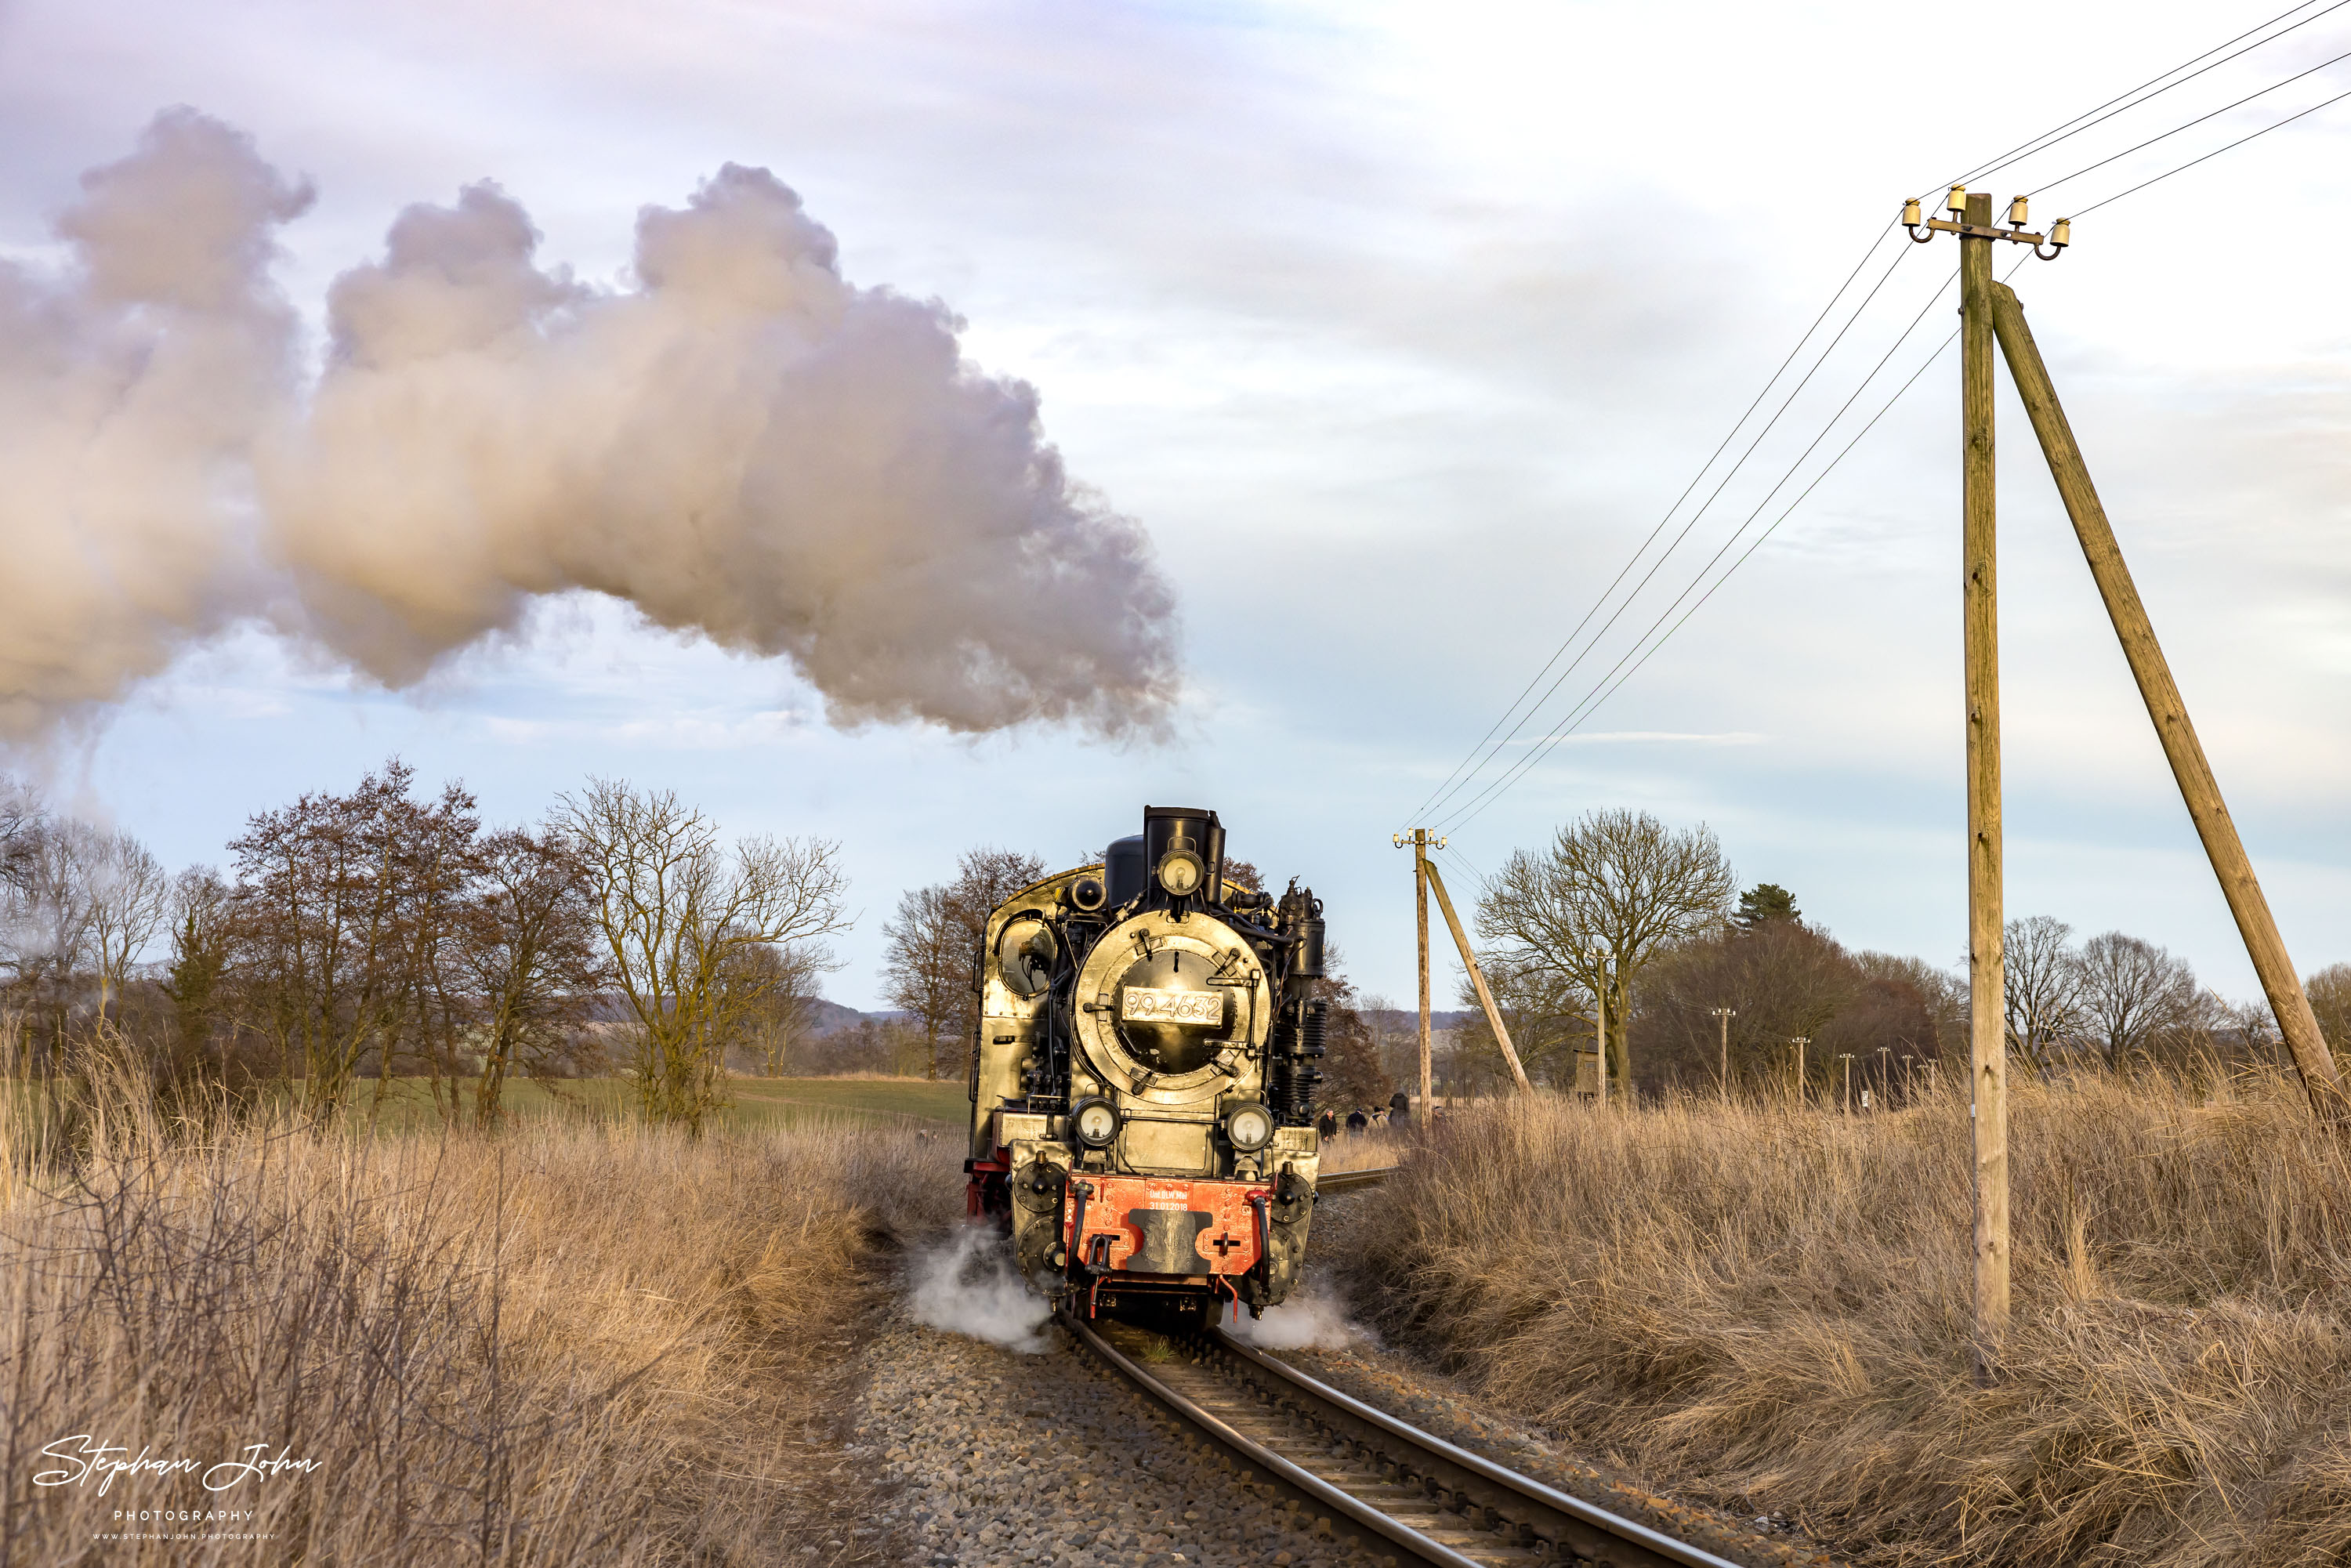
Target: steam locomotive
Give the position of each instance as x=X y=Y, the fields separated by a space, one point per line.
x=1143 y=1078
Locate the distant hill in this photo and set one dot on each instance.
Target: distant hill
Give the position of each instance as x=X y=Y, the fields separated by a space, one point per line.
x=830 y=1017
x=1409 y=1018
x=826 y=1017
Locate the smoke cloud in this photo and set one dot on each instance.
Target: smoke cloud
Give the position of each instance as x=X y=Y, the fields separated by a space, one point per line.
x=739 y=444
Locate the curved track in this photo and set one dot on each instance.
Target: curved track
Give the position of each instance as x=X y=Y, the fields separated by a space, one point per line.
x=1349 y=1181
x=1359 y=1471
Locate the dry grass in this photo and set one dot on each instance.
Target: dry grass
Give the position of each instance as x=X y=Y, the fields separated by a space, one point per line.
x=569 y=1344
x=1769 y=1308
x=1366 y=1150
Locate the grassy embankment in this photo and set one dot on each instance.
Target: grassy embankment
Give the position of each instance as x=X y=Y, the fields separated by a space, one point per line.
x=579 y=1341
x=1769 y=1308
x=1364 y=1150
x=757 y=1103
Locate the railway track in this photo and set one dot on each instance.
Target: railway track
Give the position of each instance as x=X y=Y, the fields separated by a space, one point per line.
x=1359 y=1471
x=1349 y=1181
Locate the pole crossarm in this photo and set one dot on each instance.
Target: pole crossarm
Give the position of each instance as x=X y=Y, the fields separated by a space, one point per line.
x=2321 y=1078
x=1969 y=231
x=1478 y=978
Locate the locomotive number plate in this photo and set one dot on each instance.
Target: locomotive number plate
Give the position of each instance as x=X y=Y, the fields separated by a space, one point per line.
x=1145 y=1004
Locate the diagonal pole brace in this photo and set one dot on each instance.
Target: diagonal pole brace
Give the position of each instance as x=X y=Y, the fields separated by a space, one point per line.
x=2321 y=1080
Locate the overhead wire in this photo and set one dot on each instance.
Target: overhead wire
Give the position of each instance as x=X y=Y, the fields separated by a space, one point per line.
x=1464 y=863
x=1940 y=350
x=2240 y=141
x=2084 y=121
x=2239 y=103
x=1614 y=679
x=1436 y=795
x=1544 y=747
x=1606 y=688
x=1438 y=800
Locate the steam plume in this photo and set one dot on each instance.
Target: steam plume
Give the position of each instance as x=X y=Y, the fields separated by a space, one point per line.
x=741 y=444
x=966 y=1285
x=130 y=394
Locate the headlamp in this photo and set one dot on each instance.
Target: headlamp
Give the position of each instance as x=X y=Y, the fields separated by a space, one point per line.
x=1181 y=872
x=1248 y=1127
x=1094 y=1123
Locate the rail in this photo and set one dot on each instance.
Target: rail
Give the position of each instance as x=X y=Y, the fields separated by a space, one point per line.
x=1348 y=1181
x=1361 y=1470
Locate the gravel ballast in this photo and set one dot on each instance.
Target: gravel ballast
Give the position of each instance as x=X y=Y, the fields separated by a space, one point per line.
x=1004 y=1460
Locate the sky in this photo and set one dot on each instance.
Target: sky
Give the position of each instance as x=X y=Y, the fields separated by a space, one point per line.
x=1397 y=329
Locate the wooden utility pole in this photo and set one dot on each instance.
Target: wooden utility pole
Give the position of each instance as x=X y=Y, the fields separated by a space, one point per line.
x=1600 y=1022
x=1477 y=976
x=1847 y=1057
x=1800 y=1041
x=1980 y=643
x=2321 y=1079
x=1723 y=1016
x=1419 y=842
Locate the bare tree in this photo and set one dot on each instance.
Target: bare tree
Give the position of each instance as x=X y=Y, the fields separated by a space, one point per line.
x=1549 y=1015
x=675 y=909
x=1395 y=1035
x=984 y=879
x=128 y=897
x=21 y=817
x=869 y=1045
x=1610 y=893
x=2330 y=999
x=1782 y=979
x=529 y=955
x=2131 y=991
x=1942 y=992
x=343 y=906
x=927 y=966
x=2043 y=985
x=787 y=981
x=47 y=931
x=930 y=965
x=438 y=851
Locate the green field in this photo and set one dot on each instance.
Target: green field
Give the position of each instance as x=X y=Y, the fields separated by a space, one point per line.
x=910 y=1100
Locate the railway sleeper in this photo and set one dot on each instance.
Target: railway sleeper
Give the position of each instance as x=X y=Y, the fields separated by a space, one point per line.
x=1484 y=1503
x=1451 y=1499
